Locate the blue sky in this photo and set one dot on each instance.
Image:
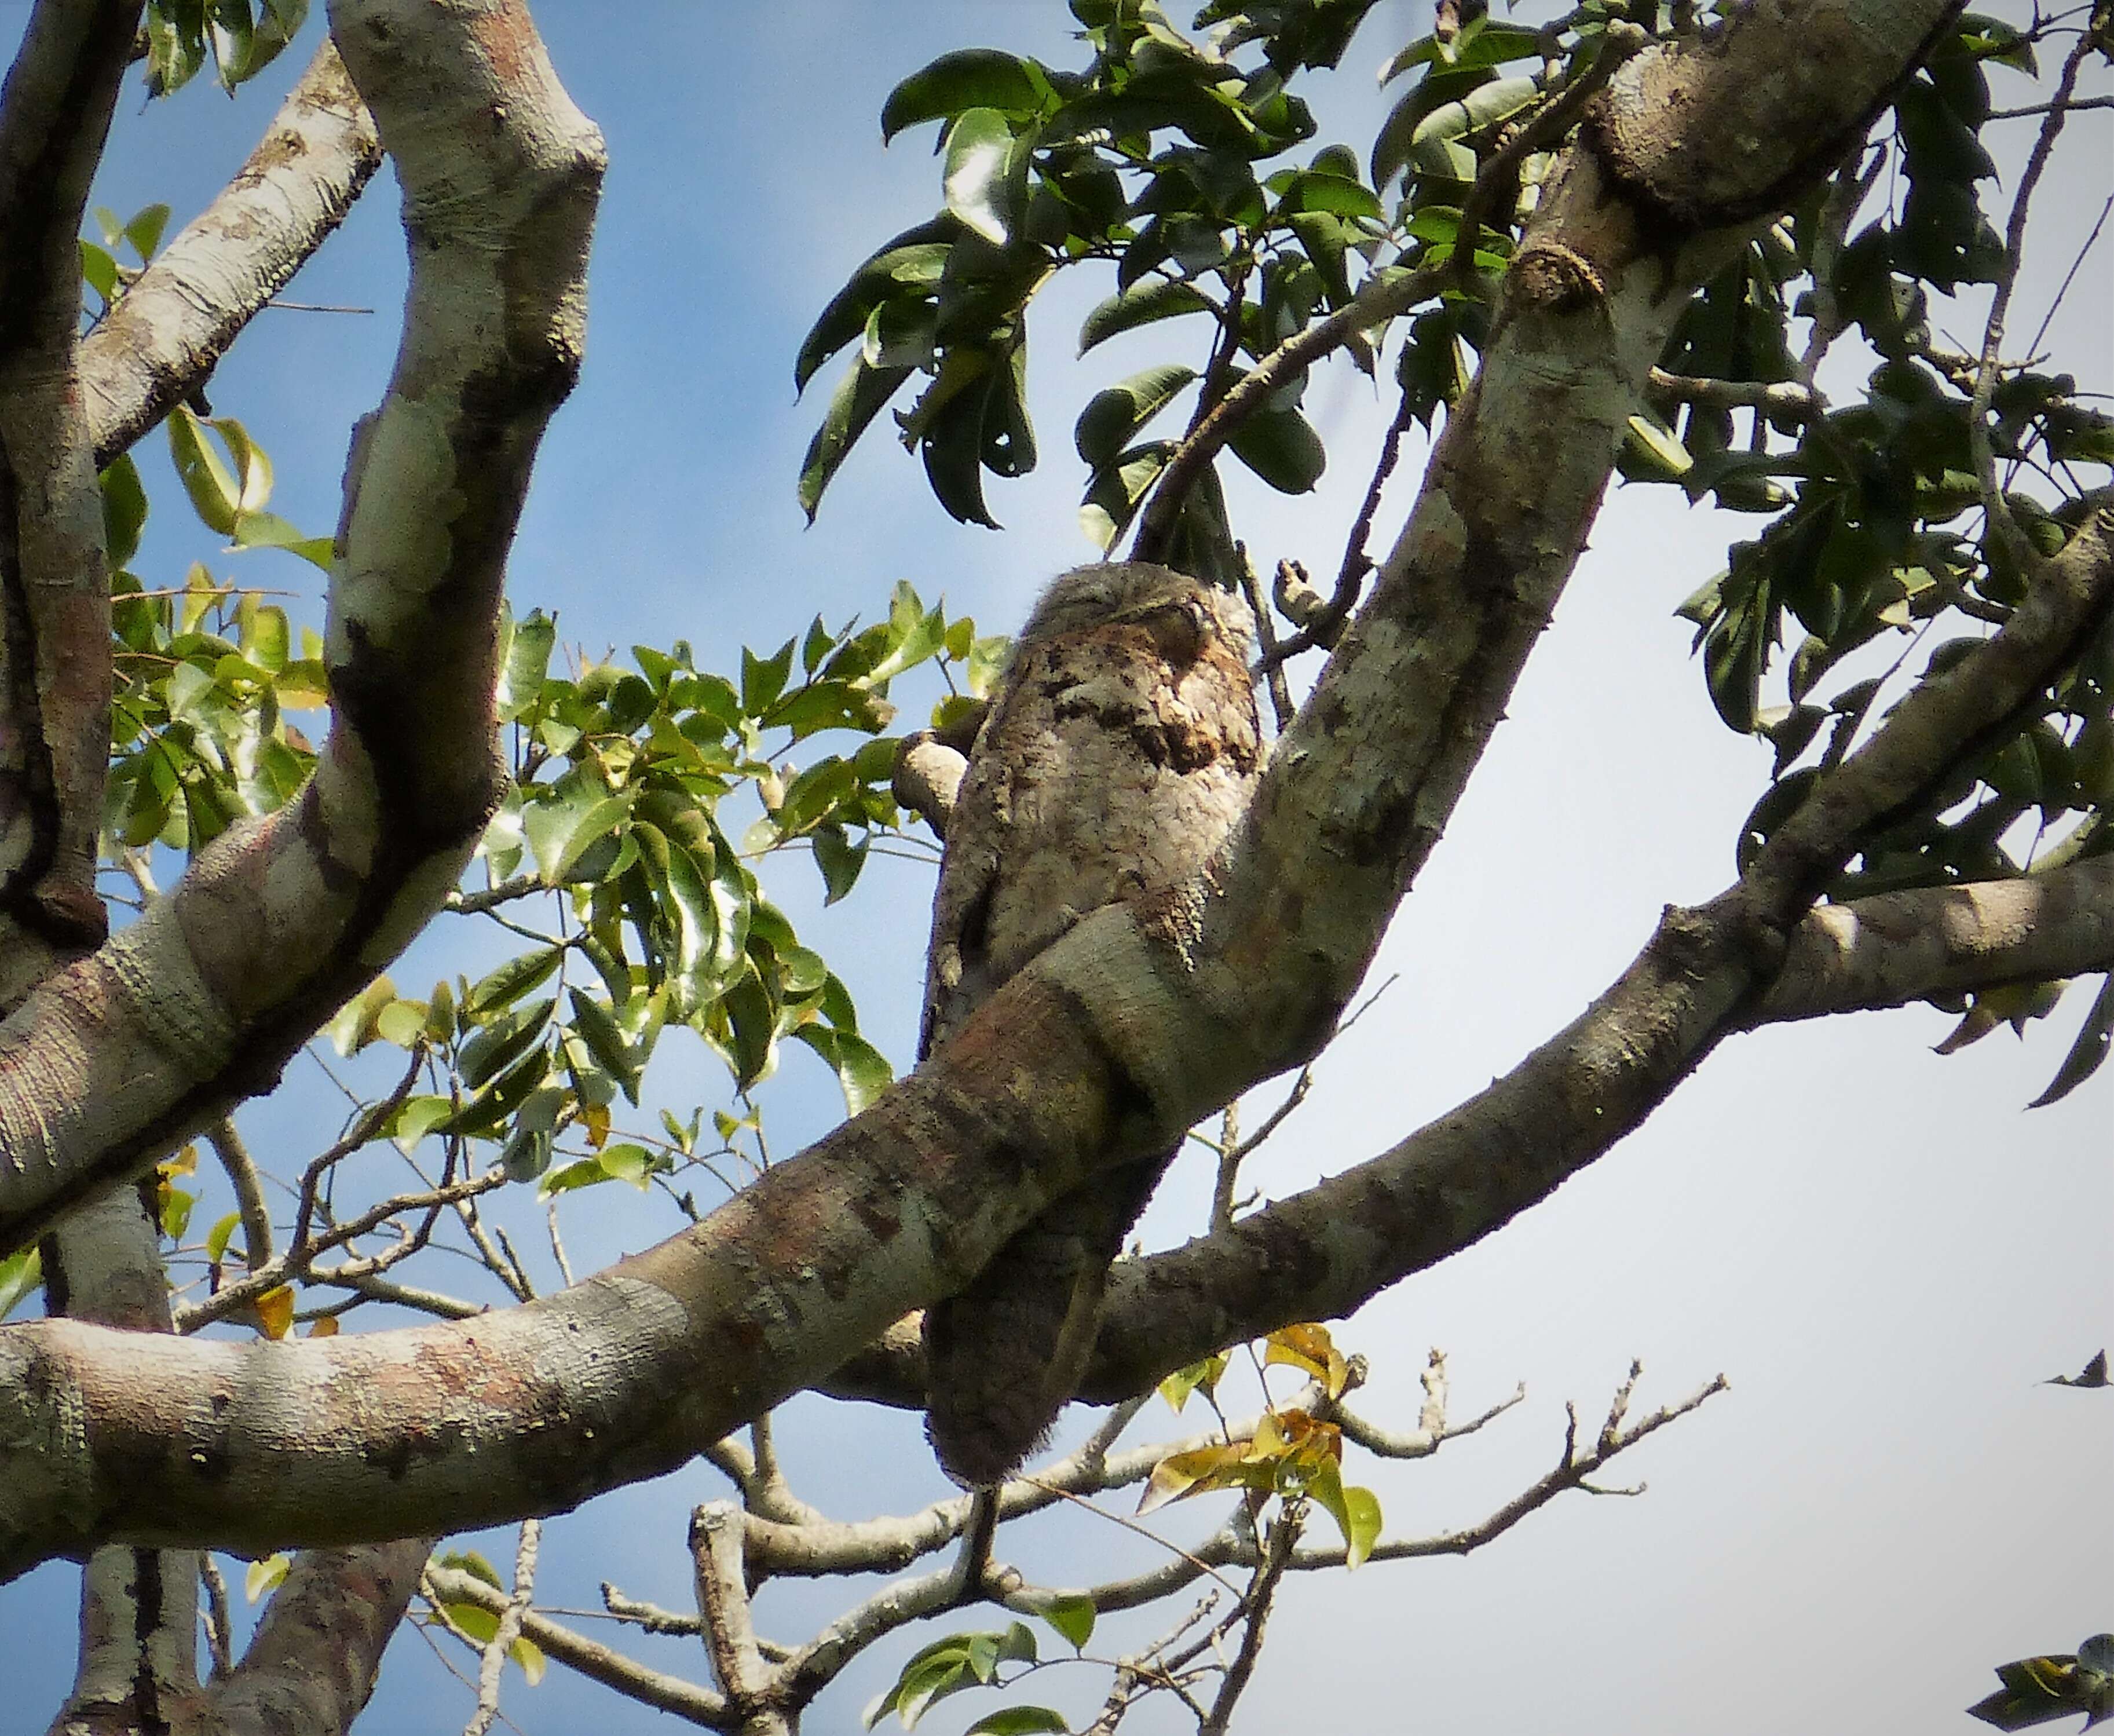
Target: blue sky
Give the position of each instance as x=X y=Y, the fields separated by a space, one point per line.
x=1883 y=1505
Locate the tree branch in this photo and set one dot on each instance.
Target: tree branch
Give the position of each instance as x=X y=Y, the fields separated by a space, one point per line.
x=207 y=995
x=55 y=679
x=177 y=318
x=1129 y=1030
x=599 y=1663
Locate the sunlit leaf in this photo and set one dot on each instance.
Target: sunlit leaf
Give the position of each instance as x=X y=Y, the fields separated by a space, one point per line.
x=265 y=1575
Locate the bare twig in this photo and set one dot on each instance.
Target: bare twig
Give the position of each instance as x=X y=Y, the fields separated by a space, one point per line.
x=298 y=1262
x=650 y=1616
x=490 y=898
x=1270 y=664
x=493 y=1659
x=1321 y=622
x=749 y=1682
x=1283 y=1535
x=2003 y=527
x=1846 y=193
x=219 y=1628
x=248 y=1187
x=558 y=1243
x=603 y=1664
x=1785 y=399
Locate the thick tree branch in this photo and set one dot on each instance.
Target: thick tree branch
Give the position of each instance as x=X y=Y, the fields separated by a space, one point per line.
x=138 y=1607
x=1887 y=950
x=54 y=591
x=310 y=1668
x=1705 y=974
x=1130 y=1028
x=200 y=1002
x=1898 y=947
x=173 y=324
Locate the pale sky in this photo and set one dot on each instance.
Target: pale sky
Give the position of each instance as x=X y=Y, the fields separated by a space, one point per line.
x=1882 y=1248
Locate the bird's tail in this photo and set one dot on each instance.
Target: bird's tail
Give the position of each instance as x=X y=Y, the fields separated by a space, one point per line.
x=1004 y=1356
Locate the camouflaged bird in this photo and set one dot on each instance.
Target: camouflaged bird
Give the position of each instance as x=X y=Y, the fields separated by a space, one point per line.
x=1120 y=747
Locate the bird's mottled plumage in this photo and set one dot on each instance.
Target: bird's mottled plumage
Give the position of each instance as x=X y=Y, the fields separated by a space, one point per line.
x=1121 y=745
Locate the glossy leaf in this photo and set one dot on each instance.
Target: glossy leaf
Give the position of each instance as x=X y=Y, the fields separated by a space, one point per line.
x=966 y=79
x=979 y=183
x=1019 y=1721
x=1115 y=413
x=1144 y=303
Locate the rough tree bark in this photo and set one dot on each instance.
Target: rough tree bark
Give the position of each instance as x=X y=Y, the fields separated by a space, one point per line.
x=130 y=1450
x=1091 y=1056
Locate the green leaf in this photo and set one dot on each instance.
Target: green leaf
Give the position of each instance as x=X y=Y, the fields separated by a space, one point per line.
x=145 y=230
x=838 y=858
x=560 y=832
x=217 y=1238
x=1356 y=1512
x=263 y=632
x=267 y=1575
x=605 y=1041
x=1114 y=415
x=19 y=1273
x=2087 y=1054
x=1283 y=449
x=1073 y=1617
x=908 y=266
x=1148 y=300
x=951 y=447
x=527 y=658
x=968 y=78
x=215 y=494
x=1340 y=196
x=862 y=1071
x=1019 y=1721
x=1200 y=1376
x=1651 y=452
x=124 y=510
x=98 y=270
x=1114 y=491
x=353 y=1028
x=981 y=184
x=402 y=1023
x=495 y=1047
x=417 y=1117
x=858 y=400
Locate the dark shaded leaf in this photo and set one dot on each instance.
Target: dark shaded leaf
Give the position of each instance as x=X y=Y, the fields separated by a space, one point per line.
x=966 y=79
x=858 y=400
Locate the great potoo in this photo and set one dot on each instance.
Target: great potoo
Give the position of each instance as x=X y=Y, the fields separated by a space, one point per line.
x=1120 y=747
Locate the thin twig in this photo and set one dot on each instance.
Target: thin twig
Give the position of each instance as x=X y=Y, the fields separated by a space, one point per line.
x=493 y=1659
x=1284 y=1534
x=248 y=1187
x=1271 y=665
x=219 y=1626
x=2001 y=526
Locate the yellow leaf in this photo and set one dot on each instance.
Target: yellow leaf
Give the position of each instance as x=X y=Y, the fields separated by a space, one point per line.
x=275 y=1311
x=595 y=1118
x=1309 y=1346
x=265 y=1575
x=529 y=1656
x=325 y=1327
x=1192 y=1472
x=1197 y=1377
x=184 y=1162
